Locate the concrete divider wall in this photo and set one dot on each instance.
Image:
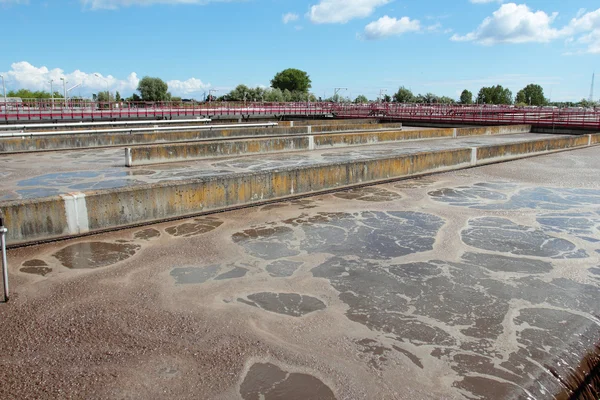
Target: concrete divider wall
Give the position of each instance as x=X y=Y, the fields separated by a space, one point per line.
x=64 y=142
x=493 y=130
x=148 y=155
x=517 y=150
x=154 y=202
x=330 y=121
x=94 y=211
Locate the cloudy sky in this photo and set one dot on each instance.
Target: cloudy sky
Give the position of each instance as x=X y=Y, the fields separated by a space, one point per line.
x=440 y=46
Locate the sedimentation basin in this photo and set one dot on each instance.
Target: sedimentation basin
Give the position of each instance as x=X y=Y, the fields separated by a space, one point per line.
x=479 y=283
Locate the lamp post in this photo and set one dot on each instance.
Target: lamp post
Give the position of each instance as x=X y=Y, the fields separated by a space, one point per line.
x=107 y=88
x=337 y=90
x=381 y=92
x=4 y=90
x=65 y=90
x=52 y=92
x=210 y=92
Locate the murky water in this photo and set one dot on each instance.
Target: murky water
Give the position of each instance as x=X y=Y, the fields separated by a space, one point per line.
x=198 y=227
x=503 y=235
x=291 y=304
x=269 y=382
x=283 y=268
x=371 y=194
x=86 y=255
x=36 y=267
x=490 y=316
x=147 y=234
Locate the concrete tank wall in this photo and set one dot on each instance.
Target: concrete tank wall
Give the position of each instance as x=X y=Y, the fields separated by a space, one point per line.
x=147 y=155
x=61 y=142
x=79 y=213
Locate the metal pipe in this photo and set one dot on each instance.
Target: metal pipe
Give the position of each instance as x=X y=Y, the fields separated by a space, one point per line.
x=3 y=231
x=138 y=130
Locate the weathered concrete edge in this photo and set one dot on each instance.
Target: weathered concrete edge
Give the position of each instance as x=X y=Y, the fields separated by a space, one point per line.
x=77 y=214
x=155 y=154
x=26 y=144
x=149 y=155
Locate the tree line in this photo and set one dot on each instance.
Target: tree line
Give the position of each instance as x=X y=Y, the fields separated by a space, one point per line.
x=293 y=85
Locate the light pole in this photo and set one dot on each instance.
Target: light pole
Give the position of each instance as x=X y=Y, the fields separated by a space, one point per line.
x=4 y=90
x=107 y=89
x=64 y=90
x=52 y=92
x=336 y=91
x=381 y=92
x=210 y=92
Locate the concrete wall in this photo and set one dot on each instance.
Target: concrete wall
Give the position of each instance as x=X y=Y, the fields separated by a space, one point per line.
x=79 y=213
x=147 y=155
x=493 y=130
x=517 y=150
x=62 y=142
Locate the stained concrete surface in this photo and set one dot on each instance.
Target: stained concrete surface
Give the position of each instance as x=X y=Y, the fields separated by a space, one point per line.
x=470 y=284
x=28 y=176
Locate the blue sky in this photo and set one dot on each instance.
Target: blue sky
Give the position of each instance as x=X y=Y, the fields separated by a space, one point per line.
x=439 y=46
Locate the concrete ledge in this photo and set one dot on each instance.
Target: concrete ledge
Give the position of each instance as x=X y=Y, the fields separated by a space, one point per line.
x=95 y=211
x=27 y=143
x=493 y=130
x=507 y=152
x=148 y=155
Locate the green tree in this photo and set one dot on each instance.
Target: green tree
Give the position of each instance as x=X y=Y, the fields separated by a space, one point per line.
x=428 y=98
x=291 y=79
x=28 y=94
x=118 y=96
x=466 y=97
x=404 y=95
x=153 y=89
x=533 y=95
x=446 y=100
x=104 y=97
x=274 y=96
x=495 y=95
x=361 y=99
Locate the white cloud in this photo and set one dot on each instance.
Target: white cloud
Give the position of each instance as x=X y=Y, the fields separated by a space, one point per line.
x=192 y=85
x=115 y=4
x=342 y=11
x=386 y=26
x=513 y=23
x=24 y=75
x=289 y=17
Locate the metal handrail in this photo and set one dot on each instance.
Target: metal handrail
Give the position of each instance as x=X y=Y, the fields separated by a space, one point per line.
x=3 y=232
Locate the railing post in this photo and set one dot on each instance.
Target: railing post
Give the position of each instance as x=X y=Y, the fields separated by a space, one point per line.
x=3 y=232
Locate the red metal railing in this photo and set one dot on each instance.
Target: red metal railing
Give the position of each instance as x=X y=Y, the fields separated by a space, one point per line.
x=46 y=110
